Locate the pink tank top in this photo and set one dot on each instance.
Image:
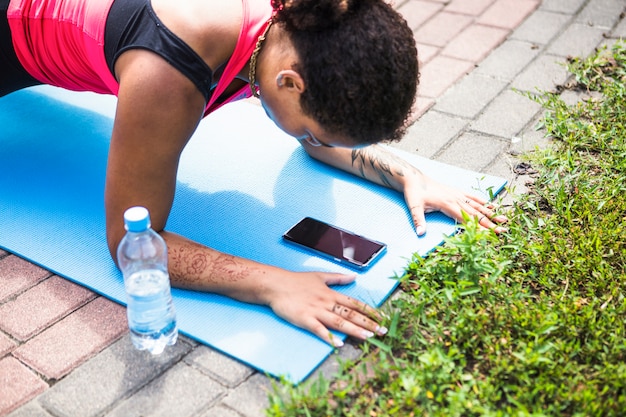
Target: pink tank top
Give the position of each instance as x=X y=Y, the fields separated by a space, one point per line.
x=61 y=43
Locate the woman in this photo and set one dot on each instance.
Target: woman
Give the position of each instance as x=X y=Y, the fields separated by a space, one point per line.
x=338 y=75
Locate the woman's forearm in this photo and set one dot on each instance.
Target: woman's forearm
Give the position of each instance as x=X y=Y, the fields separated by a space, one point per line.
x=374 y=163
x=381 y=166
x=304 y=299
x=197 y=267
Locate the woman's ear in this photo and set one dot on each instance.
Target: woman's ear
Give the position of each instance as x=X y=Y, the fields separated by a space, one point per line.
x=290 y=79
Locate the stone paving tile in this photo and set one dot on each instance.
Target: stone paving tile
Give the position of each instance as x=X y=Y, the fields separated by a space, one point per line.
x=18 y=275
x=250 y=399
x=503 y=166
x=562 y=6
x=426 y=53
x=79 y=336
x=31 y=409
x=469 y=97
x=474 y=7
x=6 y=344
x=18 y=384
x=42 y=305
x=544 y=74
x=422 y=105
x=508 y=14
x=601 y=13
x=430 y=133
x=475 y=42
x=442 y=28
x=417 y=12
x=161 y=397
x=507 y=115
x=219 y=366
x=620 y=30
x=541 y=27
x=579 y=39
x=508 y=60
x=116 y=373
x=533 y=138
x=472 y=151
x=220 y=411
x=440 y=73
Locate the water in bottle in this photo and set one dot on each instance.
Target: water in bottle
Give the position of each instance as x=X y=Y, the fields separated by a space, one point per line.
x=142 y=257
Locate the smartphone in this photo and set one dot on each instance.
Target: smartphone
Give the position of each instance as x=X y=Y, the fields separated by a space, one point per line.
x=337 y=244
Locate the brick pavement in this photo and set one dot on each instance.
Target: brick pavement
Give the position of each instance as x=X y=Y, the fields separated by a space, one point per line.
x=64 y=351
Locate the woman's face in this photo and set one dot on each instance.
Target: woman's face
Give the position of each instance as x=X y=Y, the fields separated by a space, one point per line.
x=282 y=105
x=295 y=123
x=290 y=118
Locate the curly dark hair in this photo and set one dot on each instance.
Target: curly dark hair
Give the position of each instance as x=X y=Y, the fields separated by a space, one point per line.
x=359 y=61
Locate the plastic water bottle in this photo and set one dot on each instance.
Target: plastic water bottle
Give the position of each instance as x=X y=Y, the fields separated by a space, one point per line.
x=142 y=257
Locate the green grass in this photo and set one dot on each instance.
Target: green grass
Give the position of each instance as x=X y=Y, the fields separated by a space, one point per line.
x=529 y=323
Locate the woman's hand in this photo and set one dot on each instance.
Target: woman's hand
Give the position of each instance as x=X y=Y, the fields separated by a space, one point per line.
x=302 y=298
x=305 y=300
x=423 y=195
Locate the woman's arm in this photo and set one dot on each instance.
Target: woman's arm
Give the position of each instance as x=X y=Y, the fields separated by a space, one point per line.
x=158 y=111
x=421 y=193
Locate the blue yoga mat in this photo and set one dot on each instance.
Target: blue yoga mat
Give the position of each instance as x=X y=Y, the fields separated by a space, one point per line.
x=242 y=183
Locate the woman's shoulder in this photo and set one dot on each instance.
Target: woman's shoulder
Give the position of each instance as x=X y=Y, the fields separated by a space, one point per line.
x=204 y=15
x=210 y=27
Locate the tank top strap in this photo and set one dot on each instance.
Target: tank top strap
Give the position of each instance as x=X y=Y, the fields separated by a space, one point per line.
x=256 y=16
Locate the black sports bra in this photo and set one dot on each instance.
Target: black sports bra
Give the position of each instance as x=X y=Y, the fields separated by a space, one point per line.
x=133 y=24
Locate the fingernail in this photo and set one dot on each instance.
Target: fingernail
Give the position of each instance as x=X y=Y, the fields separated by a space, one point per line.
x=381 y=331
x=420 y=230
x=336 y=341
x=366 y=334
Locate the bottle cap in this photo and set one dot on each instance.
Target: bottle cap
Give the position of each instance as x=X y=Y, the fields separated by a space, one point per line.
x=136 y=219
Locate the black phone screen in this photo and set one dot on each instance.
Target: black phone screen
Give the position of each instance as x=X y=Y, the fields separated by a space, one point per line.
x=335 y=242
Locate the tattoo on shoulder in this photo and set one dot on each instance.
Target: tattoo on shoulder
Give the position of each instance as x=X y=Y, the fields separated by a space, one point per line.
x=380 y=163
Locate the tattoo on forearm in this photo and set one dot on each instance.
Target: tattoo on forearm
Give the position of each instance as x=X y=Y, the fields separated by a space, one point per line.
x=191 y=264
x=380 y=163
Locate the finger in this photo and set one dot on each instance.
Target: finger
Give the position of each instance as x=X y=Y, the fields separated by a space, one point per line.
x=348 y=322
x=341 y=319
x=484 y=221
x=320 y=330
x=361 y=319
x=481 y=201
x=487 y=223
x=475 y=203
x=483 y=211
x=345 y=320
x=476 y=208
x=418 y=210
x=489 y=211
x=361 y=307
x=338 y=279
